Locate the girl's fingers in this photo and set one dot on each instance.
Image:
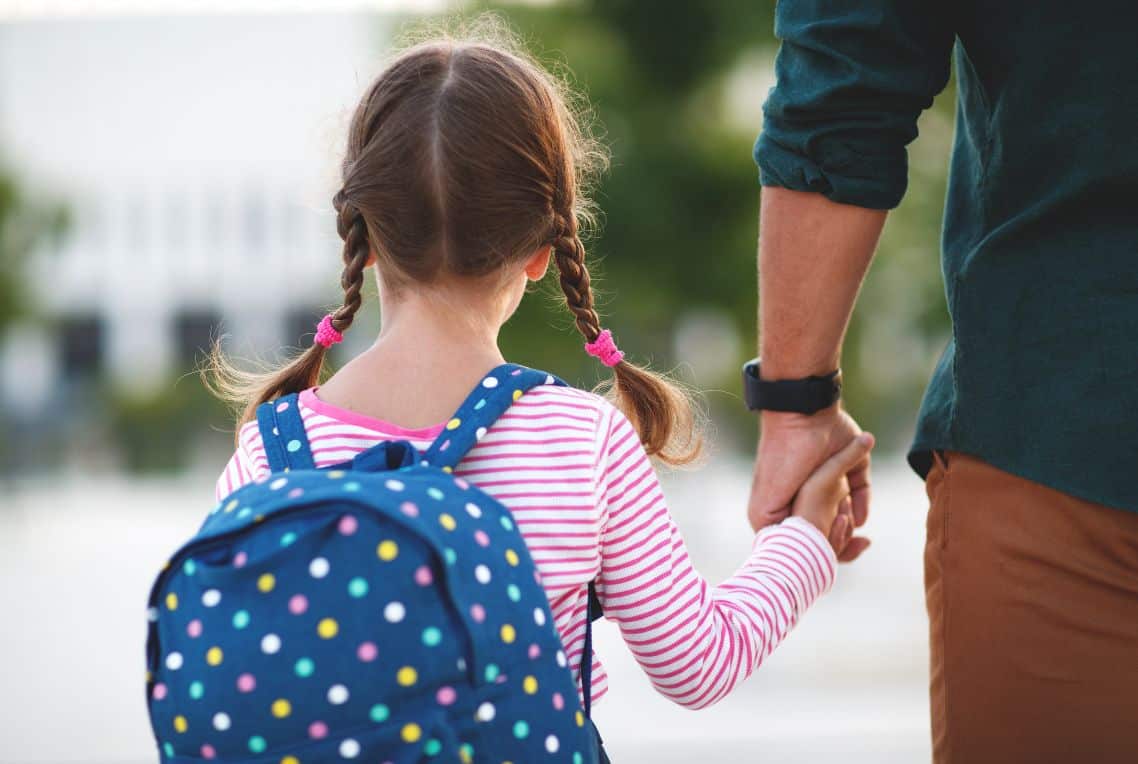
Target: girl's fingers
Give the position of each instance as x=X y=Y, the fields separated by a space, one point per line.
x=839 y=532
x=837 y=466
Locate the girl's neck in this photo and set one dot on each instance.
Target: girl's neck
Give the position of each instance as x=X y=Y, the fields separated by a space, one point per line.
x=429 y=354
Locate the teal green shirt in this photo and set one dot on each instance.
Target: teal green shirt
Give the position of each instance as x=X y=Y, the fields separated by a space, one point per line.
x=1040 y=241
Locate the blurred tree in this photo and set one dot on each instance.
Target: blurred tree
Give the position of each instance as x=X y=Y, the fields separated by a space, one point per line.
x=24 y=225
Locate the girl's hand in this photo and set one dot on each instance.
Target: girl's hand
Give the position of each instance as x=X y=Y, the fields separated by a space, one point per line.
x=824 y=498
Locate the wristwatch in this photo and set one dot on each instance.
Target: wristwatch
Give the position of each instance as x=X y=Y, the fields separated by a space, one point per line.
x=803 y=396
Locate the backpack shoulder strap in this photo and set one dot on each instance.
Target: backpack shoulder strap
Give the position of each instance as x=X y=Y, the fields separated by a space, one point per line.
x=282 y=432
x=495 y=393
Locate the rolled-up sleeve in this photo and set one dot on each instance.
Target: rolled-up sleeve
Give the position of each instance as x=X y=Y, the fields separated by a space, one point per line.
x=853 y=76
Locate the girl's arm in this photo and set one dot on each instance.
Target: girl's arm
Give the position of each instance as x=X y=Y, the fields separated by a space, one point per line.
x=696 y=642
x=246 y=465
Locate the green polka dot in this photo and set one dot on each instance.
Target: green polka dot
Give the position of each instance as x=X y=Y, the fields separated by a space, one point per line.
x=521 y=730
x=257 y=743
x=450 y=556
x=188 y=567
x=357 y=587
x=351 y=486
x=577 y=758
x=241 y=619
x=245 y=512
x=197 y=689
x=293 y=446
x=432 y=636
x=168 y=750
x=304 y=667
x=379 y=713
x=432 y=747
x=492 y=672
x=514 y=593
x=467 y=751
x=435 y=493
x=507 y=523
x=288 y=538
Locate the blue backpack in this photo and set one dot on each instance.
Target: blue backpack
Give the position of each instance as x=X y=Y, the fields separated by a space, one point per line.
x=382 y=610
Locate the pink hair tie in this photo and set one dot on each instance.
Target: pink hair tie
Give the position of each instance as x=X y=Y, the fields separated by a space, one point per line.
x=604 y=348
x=326 y=334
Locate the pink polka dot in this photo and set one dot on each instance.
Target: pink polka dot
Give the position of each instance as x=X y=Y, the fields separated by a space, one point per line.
x=159 y=691
x=534 y=651
x=367 y=652
x=423 y=576
x=295 y=492
x=515 y=372
x=408 y=508
x=317 y=730
x=502 y=679
x=558 y=701
x=208 y=752
x=348 y=525
x=482 y=538
x=297 y=604
x=194 y=628
x=478 y=613
x=537 y=577
x=240 y=559
x=282 y=405
x=445 y=445
x=446 y=696
x=461 y=483
x=246 y=683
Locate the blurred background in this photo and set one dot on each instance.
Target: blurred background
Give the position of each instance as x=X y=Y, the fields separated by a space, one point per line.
x=166 y=171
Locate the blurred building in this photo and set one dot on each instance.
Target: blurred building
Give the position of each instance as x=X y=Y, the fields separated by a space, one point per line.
x=197 y=155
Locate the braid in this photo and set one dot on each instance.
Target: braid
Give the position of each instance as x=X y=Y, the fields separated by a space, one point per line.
x=569 y=254
x=352 y=228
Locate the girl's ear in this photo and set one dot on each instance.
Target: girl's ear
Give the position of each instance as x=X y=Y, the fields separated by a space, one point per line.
x=538 y=263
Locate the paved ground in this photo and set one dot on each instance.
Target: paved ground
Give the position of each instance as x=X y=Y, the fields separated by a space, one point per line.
x=76 y=559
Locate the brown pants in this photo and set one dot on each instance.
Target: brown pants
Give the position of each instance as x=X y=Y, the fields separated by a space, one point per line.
x=1033 y=613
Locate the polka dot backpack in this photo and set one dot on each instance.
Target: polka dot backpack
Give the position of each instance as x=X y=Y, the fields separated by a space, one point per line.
x=382 y=610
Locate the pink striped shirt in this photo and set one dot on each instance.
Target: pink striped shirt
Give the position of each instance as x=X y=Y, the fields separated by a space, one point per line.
x=571 y=469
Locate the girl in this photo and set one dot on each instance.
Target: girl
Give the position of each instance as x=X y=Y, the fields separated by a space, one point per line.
x=461 y=182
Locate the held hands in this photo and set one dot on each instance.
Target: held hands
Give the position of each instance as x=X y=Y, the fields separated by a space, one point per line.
x=814 y=467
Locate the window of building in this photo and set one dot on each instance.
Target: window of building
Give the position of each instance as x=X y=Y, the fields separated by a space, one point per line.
x=82 y=345
x=195 y=331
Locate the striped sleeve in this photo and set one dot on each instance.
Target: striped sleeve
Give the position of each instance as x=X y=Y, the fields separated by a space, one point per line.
x=247 y=464
x=694 y=641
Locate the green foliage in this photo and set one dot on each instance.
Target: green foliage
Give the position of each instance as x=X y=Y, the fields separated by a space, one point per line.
x=24 y=224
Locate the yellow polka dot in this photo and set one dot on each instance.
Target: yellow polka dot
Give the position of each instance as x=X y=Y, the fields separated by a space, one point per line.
x=411 y=733
x=517 y=394
x=512 y=557
x=509 y=634
x=281 y=708
x=447 y=521
x=387 y=550
x=232 y=505
x=172 y=601
x=180 y=724
x=290 y=760
x=258 y=518
x=580 y=719
x=266 y=582
x=407 y=676
x=529 y=684
x=328 y=628
x=213 y=656
x=464 y=755
x=336 y=475
x=448 y=469
x=454 y=423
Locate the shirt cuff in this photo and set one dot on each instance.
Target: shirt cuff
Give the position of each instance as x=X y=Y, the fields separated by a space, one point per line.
x=806 y=554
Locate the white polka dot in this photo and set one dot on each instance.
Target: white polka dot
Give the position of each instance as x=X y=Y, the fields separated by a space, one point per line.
x=337 y=694
x=479 y=433
x=221 y=722
x=552 y=744
x=549 y=379
x=211 y=597
x=394 y=612
x=278 y=484
x=394 y=485
x=473 y=510
x=349 y=749
x=174 y=661
x=319 y=567
x=462 y=664
x=561 y=658
x=152 y=614
x=270 y=644
x=539 y=616
x=485 y=712
x=490 y=382
x=482 y=573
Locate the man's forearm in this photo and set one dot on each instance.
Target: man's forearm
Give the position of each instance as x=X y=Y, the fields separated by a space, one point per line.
x=813 y=255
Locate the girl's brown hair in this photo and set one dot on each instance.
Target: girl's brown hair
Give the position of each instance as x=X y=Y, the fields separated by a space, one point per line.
x=464 y=157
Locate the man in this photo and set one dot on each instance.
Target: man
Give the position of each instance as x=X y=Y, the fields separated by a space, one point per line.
x=1028 y=434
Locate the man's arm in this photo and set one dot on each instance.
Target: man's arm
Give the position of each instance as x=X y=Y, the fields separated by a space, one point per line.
x=813 y=256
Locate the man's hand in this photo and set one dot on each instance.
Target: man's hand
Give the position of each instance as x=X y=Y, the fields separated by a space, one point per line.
x=791 y=447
